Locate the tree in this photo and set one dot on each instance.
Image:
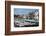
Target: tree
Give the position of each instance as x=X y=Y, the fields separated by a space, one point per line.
x=31 y=15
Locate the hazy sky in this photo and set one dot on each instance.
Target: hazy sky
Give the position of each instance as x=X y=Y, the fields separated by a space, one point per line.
x=21 y=11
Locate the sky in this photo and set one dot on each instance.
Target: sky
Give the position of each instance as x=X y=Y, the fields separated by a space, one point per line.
x=21 y=11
